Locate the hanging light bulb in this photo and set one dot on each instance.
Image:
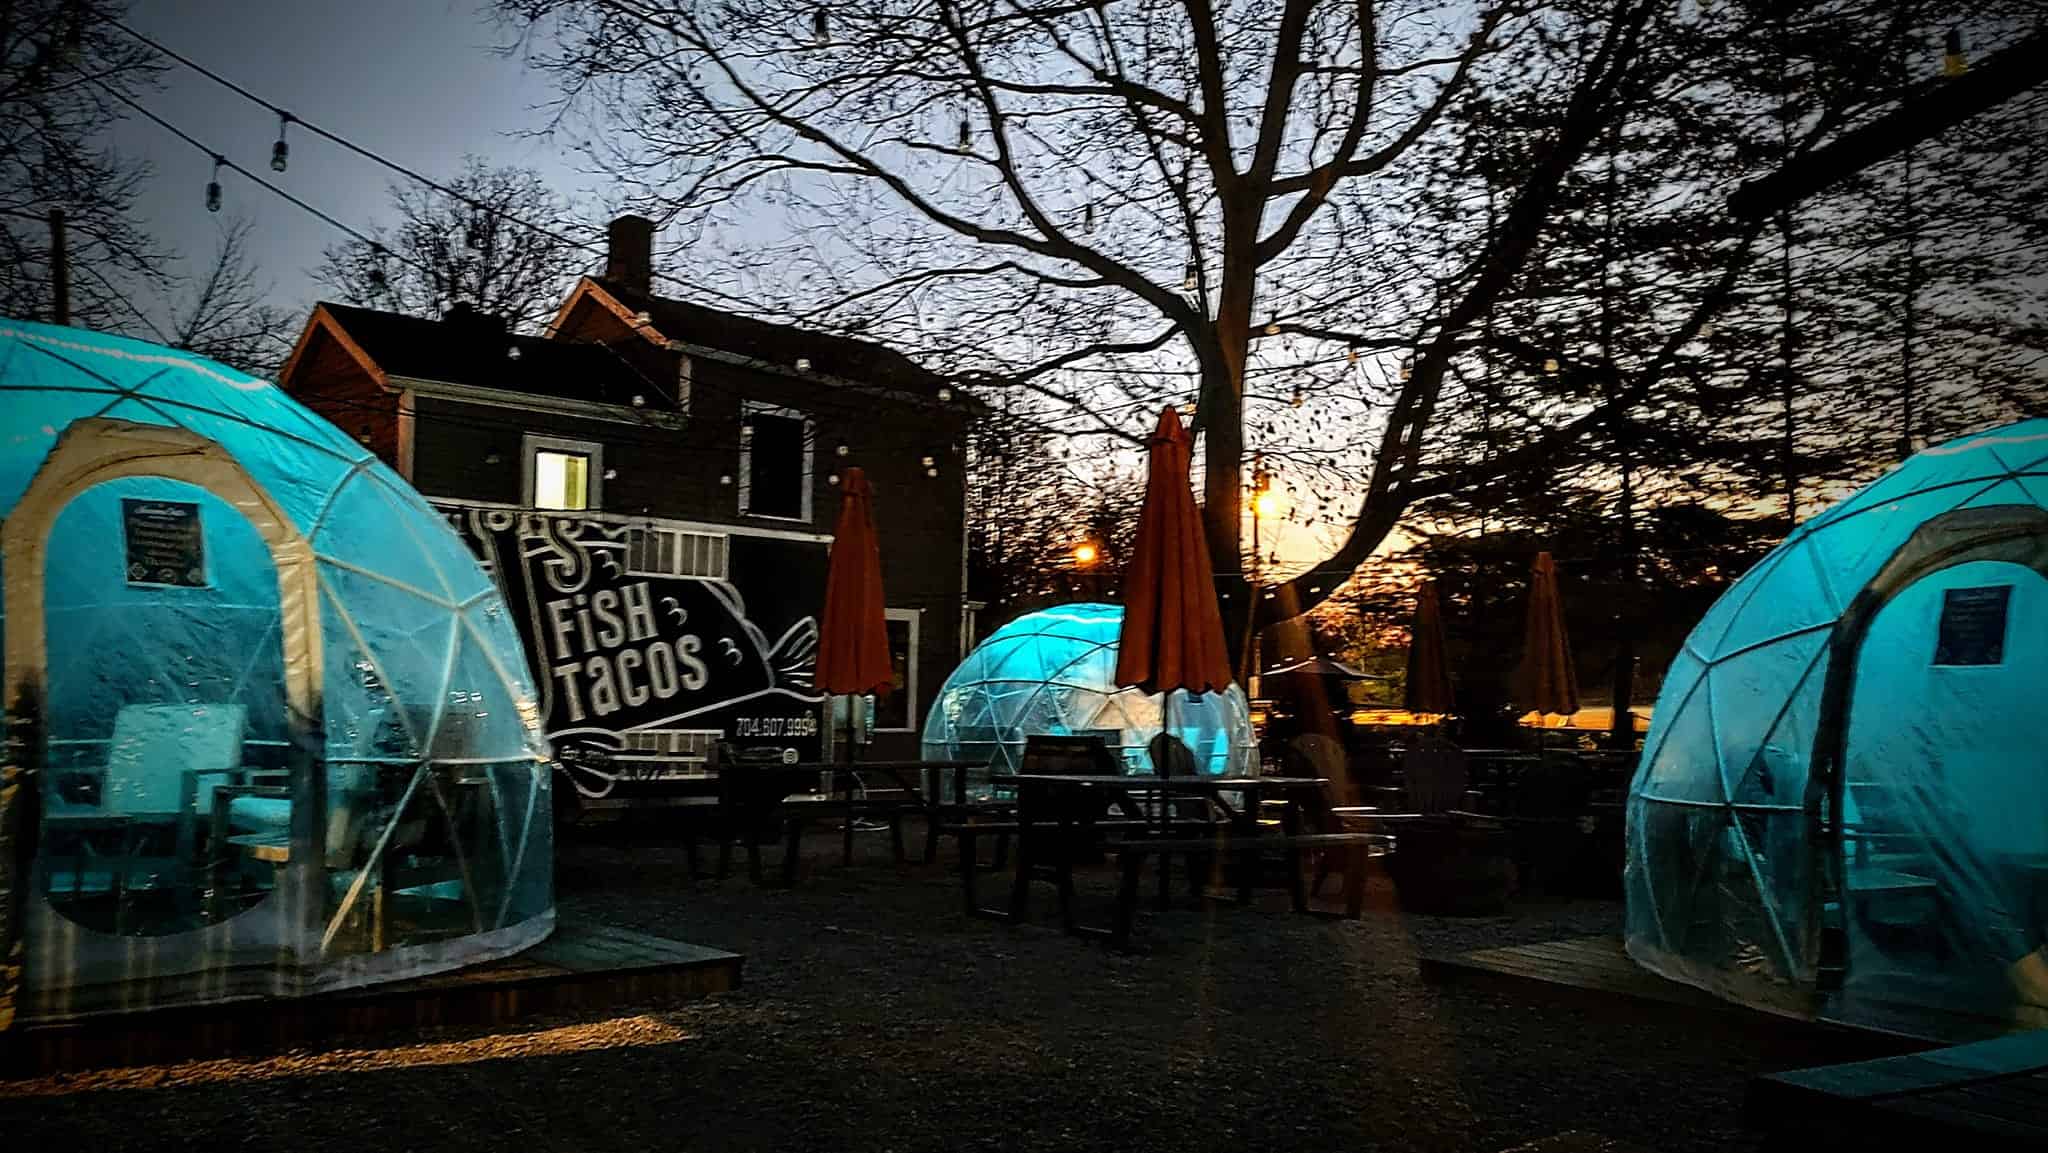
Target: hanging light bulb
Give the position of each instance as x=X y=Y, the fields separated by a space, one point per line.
x=1088 y=217
x=1952 y=62
x=841 y=450
x=933 y=471
x=1708 y=330
x=1550 y=365
x=927 y=462
x=1351 y=353
x=1273 y=326
x=833 y=479
x=213 y=186
x=945 y=394
x=281 y=152
x=821 y=26
x=1191 y=277
x=1407 y=371
x=1295 y=400
x=966 y=132
x=378 y=280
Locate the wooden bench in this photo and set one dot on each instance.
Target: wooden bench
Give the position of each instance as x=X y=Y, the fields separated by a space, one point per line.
x=1352 y=847
x=1003 y=827
x=1991 y=1095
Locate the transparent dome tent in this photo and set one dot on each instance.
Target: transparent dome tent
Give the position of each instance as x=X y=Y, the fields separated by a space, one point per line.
x=1842 y=804
x=1053 y=672
x=283 y=735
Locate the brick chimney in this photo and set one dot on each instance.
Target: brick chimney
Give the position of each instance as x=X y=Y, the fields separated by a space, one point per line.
x=630 y=257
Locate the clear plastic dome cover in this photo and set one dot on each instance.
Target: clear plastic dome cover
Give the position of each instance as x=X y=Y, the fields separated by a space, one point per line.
x=1898 y=643
x=286 y=735
x=1053 y=672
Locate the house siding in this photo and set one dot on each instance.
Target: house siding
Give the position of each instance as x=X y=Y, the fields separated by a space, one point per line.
x=334 y=384
x=469 y=451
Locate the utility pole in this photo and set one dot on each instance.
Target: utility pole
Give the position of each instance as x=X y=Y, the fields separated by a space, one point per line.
x=60 y=270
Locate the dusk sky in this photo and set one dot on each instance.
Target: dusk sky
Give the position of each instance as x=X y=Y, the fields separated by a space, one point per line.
x=414 y=80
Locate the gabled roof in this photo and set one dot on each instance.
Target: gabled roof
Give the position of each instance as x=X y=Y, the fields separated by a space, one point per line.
x=859 y=361
x=477 y=352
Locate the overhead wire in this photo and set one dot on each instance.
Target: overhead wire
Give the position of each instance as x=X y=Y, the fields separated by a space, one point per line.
x=221 y=160
x=286 y=116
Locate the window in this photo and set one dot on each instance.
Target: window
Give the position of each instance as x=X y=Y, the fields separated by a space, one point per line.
x=775 y=462
x=898 y=714
x=655 y=551
x=563 y=474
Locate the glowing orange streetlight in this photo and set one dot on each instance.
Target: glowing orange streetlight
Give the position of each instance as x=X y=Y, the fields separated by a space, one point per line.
x=1084 y=553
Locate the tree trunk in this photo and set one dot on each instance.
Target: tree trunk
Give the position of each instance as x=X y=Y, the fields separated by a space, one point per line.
x=1223 y=460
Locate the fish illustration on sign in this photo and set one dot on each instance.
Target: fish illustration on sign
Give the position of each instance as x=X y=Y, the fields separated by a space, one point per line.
x=620 y=651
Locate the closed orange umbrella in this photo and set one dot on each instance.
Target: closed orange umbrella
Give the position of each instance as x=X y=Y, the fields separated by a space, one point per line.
x=1173 y=633
x=1429 y=673
x=1547 y=683
x=853 y=637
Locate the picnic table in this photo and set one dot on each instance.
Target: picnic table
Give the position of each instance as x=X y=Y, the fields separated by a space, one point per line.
x=1059 y=814
x=756 y=792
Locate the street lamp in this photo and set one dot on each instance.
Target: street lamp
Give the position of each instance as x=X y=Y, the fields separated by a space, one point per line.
x=1264 y=503
x=1084 y=553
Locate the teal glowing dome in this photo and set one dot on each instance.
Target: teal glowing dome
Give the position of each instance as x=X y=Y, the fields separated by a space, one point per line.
x=1845 y=786
x=286 y=732
x=1053 y=672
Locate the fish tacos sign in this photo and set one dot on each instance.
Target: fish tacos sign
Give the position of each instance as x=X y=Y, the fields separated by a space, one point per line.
x=639 y=671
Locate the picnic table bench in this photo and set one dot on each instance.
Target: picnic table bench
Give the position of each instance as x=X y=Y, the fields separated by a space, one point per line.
x=1131 y=854
x=1061 y=817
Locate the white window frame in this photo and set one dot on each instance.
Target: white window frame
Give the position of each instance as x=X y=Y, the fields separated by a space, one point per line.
x=915 y=617
x=531 y=444
x=749 y=409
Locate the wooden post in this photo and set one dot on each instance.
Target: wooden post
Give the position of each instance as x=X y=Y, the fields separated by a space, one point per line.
x=60 y=270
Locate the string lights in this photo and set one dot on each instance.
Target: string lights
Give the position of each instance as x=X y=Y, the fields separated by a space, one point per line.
x=1952 y=62
x=281 y=152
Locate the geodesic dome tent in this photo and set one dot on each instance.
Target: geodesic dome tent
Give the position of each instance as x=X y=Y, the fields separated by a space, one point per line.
x=1843 y=798
x=283 y=732
x=1053 y=672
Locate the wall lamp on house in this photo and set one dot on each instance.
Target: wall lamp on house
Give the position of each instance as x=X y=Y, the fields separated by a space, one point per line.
x=803 y=364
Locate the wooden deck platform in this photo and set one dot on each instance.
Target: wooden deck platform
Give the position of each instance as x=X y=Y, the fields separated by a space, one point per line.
x=1597 y=971
x=582 y=967
x=1989 y=1095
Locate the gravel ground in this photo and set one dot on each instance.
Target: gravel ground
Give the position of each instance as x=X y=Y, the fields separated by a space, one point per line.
x=875 y=1017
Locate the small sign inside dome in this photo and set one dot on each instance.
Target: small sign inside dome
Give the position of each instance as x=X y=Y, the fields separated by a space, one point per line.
x=1973 y=626
x=165 y=545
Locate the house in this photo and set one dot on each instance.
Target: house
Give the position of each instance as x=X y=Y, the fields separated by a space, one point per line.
x=654 y=484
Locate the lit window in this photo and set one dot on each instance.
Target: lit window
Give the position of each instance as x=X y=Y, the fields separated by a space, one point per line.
x=561 y=480
x=562 y=474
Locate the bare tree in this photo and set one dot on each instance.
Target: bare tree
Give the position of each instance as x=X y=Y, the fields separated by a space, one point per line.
x=60 y=65
x=476 y=247
x=224 y=314
x=1261 y=208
